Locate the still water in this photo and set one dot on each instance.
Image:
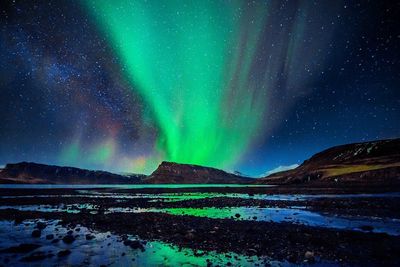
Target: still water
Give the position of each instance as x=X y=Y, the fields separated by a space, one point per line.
x=122 y=186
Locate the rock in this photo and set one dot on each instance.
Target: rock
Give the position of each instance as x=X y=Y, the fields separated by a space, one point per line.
x=50 y=236
x=237 y=215
x=199 y=253
x=292 y=258
x=36 y=233
x=89 y=237
x=64 y=253
x=41 y=225
x=22 y=248
x=68 y=239
x=189 y=236
x=134 y=244
x=309 y=256
x=37 y=256
x=368 y=228
x=252 y=251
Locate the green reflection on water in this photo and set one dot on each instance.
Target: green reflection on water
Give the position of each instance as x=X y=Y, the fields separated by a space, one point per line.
x=215 y=213
x=162 y=254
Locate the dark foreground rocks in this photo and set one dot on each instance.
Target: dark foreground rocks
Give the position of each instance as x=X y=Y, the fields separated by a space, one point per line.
x=37 y=256
x=280 y=241
x=36 y=233
x=64 y=253
x=22 y=248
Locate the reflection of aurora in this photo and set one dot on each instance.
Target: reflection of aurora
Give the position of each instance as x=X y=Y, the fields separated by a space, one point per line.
x=292 y=215
x=156 y=253
x=297 y=215
x=204 y=76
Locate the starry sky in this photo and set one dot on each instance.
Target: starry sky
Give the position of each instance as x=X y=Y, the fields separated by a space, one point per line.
x=248 y=86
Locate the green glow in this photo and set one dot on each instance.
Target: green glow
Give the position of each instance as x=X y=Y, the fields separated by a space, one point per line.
x=209 y=212
x=190 y=61
x=102 y=153
x=163 y=254
x=70 y=154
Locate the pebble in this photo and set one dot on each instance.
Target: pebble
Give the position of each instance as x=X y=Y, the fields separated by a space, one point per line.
x=68 y=239
x=64 y=253
x=36 y=233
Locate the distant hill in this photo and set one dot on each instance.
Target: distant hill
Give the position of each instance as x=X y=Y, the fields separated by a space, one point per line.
x=34 y=173
x=175 y=173
x=369 y=163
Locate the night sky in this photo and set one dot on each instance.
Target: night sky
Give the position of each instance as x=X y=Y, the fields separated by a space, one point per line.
x=249 y=86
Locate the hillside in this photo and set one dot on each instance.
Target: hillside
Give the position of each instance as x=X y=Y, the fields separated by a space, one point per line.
x=175 y=173
x=34 y=173
x=369 y=163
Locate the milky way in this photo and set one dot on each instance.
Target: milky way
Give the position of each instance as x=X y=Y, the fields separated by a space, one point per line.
x=237 y=85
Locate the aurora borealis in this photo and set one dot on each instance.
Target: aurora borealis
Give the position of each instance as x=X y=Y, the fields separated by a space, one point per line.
x=237 y=85
x=193 y=76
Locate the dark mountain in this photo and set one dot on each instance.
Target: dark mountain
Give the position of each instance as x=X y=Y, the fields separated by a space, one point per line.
x=369 y=163
x=175 y=173
x=34 y=173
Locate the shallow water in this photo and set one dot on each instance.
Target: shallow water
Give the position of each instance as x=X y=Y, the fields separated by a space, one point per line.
x=296 y=215
x=108 y=249
x=97 y=252
x=172 y=197
x=316 y=196
x=123 y=186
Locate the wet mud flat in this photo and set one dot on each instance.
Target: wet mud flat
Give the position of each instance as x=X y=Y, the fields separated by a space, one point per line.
x=220 y=226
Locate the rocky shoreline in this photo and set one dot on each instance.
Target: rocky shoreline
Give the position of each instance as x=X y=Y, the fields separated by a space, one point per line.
x=279 y=241
x=284 y=241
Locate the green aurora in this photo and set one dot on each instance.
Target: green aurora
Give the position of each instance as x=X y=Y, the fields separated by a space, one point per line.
x=190 y=64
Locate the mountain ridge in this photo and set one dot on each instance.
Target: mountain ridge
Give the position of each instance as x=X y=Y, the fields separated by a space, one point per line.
x=37 y=173
x=373 y=162
x=168 y=172
x=367 y=164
